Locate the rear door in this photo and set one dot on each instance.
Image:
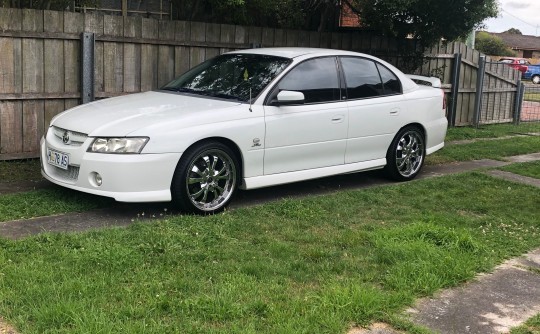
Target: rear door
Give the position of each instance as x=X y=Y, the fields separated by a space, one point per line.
x=376 y=108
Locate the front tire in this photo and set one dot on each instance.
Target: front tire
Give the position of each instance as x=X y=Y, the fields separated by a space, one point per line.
x=205 y=179
x=405 y=156
x=536 y=79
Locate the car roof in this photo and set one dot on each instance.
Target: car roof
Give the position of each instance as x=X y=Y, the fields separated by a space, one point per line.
x=295 y=52
x=288 y=52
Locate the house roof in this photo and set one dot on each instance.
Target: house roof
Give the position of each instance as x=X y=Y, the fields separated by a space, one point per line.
x=519 y=42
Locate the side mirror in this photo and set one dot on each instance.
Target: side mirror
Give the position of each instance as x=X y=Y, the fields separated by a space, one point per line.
x=289 y=97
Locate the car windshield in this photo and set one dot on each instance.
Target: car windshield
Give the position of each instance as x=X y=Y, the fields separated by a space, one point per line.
x=231 y=76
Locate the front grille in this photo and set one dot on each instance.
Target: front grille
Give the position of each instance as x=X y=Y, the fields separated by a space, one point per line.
x=69 y=175
x=75 y=138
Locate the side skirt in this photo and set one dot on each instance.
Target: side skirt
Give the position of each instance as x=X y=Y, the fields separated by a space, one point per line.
x=302 y=175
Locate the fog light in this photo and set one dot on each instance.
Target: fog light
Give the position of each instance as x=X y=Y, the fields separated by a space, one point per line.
x=98 y=179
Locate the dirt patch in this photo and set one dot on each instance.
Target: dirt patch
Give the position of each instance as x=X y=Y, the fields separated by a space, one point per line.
x=6 y=329
x=375 y=328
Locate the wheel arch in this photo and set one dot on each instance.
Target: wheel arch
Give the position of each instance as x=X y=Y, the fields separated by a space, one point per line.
x=418 y=126
x=230 y=144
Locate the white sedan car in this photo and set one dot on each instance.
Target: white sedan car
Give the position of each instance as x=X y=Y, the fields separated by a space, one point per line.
x=248 y=119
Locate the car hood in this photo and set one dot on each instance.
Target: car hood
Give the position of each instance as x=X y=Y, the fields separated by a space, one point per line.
x=123 y=115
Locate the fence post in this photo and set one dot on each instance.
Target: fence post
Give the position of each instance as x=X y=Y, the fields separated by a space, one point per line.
x=455 y=89
x=519 y=98
x=517 y=104
x=87 y=67
x=479 y=90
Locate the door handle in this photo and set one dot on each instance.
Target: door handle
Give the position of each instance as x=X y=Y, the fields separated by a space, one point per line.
x=394 y=111
x=338 y=118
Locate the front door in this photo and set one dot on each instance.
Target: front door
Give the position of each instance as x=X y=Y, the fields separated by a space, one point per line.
x=312 y=134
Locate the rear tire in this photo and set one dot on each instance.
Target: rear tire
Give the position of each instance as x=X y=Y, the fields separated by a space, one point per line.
x=205 y=179
x=405 y=156
x=536 y=79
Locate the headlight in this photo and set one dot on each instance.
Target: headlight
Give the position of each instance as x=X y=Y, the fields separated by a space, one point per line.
x=118 y=145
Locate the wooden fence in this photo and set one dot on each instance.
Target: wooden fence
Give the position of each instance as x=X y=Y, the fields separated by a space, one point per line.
x=40 y=62
x=495 y=104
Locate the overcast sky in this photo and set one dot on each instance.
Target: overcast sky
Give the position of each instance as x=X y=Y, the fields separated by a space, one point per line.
x=521 y=14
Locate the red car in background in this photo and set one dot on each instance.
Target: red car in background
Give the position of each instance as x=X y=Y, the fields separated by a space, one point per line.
x=520 y=64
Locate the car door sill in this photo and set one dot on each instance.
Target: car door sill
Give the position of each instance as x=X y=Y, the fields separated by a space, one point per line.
x=308 y=174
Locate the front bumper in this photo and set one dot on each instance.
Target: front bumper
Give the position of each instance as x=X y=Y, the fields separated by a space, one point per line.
x=126 y=177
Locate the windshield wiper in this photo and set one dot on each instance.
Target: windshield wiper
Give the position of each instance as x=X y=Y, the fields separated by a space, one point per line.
x=203 y=92
x=226 y=96
x=172 y=89
x=221 y=95
x=183 y=90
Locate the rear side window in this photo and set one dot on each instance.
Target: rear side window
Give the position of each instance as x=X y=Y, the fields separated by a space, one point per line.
x=391 y=83
x=316 y=78
x=366 y=78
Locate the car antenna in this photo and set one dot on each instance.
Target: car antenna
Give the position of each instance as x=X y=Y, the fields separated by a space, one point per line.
x=248 y=79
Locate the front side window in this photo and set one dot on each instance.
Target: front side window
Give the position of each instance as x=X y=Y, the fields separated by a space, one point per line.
x=232 y=76
x=316 y=78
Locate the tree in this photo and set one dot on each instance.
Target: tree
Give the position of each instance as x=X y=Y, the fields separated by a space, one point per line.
x=428 y=20
x=513 y=31
x=492 y=45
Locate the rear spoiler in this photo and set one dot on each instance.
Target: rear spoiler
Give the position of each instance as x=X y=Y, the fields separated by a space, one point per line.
x=427 y=81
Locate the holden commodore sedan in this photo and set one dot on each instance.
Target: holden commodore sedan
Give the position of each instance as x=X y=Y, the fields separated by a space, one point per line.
x=248 y=119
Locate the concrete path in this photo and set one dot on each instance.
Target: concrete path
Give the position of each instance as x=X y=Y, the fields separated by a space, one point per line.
x=515 y=177
x=491 y=304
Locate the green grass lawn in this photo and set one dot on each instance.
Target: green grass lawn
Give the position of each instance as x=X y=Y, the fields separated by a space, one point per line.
x=46 y=202
x=313 y=265
x=531 y=169
x=318 y=264
x=20 y=170
x=486 y=131
x=492 y=149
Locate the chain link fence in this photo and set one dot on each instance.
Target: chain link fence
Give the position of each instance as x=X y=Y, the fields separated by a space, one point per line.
x=529 y=113
x=503 y=100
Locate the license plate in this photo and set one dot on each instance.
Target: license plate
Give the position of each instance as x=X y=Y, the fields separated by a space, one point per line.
x=57 y=159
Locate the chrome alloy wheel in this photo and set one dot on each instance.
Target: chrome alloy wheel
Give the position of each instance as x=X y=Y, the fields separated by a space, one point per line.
x=536 y=79
x=409 y=153
x=210 y=180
